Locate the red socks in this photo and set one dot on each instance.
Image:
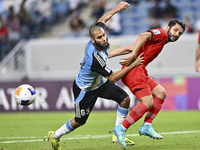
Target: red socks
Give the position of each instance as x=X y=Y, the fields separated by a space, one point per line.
x=138 y=111
x=135 y=114
x=151 y=114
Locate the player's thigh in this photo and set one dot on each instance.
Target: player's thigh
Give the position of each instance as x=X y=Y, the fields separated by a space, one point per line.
x=111 y=91
x=145 y=88
x=142 y=92
x=84 y=103
x=152 y=83
x=84 y=107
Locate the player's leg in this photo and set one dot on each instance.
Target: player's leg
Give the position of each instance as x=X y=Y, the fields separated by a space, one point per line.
x=138 y=111
x=111 y=91
x=68 y=127
x=159 y=95
x=122 y=112
x=84 y=103
x=135 y=114
x=146 y=102
x=114 y=92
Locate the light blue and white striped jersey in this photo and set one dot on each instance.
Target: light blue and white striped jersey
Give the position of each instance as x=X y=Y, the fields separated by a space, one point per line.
x=94 y=69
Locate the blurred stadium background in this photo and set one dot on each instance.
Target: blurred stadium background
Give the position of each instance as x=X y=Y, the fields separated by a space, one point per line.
x=46 y=51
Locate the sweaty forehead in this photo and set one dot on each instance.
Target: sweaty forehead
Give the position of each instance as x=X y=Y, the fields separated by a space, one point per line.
x=94 y=30
x=99 y=32
x=177 y=26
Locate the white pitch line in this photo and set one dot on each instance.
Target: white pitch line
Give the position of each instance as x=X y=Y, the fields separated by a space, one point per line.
x=83 y=137
x=21 y=137
x=175 y=132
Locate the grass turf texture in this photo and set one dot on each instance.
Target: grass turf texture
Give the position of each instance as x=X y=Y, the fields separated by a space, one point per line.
x=27 y=131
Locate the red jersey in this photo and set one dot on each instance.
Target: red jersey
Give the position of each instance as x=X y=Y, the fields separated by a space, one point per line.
x=199 y=38
x=152 y=48
x=138 y=78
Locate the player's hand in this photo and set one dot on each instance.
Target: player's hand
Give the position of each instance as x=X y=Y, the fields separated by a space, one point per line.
x=122 y=6
x=127 y=60
x=139 y=60
x=197 y=66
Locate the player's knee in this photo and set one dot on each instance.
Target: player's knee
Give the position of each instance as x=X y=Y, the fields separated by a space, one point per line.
x=163 y=94
x=160 y=93
x=125 y=103
x=127 y=100
x=147 y=101
x=78 y=122
x=150 y=104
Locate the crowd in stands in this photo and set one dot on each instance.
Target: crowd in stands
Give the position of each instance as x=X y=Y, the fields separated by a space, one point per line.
x=141 y=16
x=158 y=13
x=79 y=25
x=30 y=22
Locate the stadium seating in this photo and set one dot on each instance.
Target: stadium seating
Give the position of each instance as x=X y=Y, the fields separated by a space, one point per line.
x=134 y=17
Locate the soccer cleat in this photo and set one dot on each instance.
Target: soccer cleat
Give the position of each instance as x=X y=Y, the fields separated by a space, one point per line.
x=121 y=135
x=149 y=131
x=55 y=143
x=127 y=141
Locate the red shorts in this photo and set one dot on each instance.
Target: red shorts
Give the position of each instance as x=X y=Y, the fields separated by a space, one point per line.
x=139 y=82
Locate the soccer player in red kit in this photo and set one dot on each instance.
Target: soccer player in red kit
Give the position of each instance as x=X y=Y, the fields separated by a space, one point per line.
x=197 y=55
x=149 y=92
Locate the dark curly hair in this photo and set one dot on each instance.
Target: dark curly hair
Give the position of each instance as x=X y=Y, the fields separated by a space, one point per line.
x=175 y=21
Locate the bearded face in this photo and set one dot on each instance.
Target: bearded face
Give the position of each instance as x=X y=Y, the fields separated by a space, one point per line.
x=99 y=38
x=174 y=33
x=171 y=38
x=102 y=46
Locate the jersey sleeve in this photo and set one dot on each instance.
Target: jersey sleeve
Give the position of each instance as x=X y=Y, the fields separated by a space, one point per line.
x=199 y=38
x=100 y=66
x=158 y=35
x=101 y=24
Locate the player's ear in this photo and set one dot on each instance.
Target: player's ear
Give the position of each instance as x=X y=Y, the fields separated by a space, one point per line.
x=92 y=40
x=167 y=28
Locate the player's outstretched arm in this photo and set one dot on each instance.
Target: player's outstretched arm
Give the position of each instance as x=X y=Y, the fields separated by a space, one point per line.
x=114 y=77
x=197 y=58
x=121 y=51
x=120 y=7
x=142 y=38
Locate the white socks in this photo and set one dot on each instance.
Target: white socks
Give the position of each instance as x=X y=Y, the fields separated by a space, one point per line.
x=66 y=128
x=121 y=115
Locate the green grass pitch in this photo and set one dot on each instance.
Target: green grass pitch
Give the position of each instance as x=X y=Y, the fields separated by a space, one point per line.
x=27 y=131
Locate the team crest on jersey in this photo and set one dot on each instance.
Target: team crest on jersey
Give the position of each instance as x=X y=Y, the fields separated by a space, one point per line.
x=156 y=32
x=107 y=69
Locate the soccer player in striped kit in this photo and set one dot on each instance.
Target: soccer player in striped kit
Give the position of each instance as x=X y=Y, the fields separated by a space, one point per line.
x=95 y=79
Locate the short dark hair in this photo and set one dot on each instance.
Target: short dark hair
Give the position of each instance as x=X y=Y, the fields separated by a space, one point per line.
x=94 y=29
x=175 y=21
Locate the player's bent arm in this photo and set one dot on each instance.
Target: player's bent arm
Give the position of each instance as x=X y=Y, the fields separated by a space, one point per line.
x=120 y=7
x=142 y=38
x=121 y=51
x=115 y=76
